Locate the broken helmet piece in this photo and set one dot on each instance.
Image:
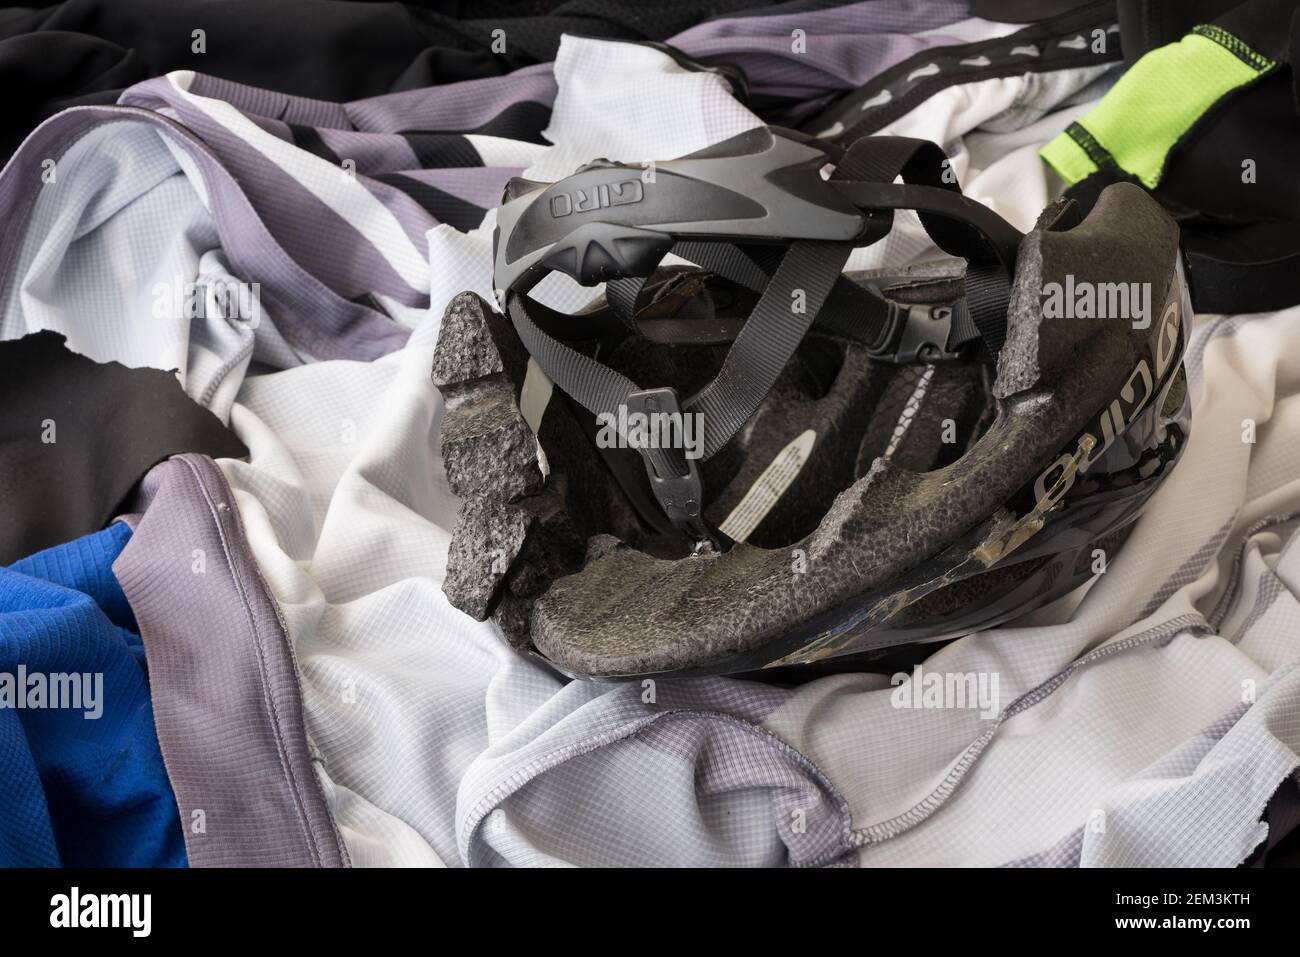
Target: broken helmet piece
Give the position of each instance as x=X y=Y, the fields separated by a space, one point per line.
x=756 y=460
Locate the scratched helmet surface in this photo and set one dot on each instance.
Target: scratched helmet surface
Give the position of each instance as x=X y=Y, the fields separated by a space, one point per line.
x=747 y=459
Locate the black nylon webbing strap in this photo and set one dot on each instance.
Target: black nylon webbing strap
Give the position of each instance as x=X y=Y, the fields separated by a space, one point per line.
x=881 y=159
x=622 y=295
x=748 y=265
x=849 y=311
x=987 y=293
x=962 y=328
x=788 y=305
x=794 y=284
x=973 y=231
x=593 y=385
x=956 y=225
x=786 y=309
x=857 y=314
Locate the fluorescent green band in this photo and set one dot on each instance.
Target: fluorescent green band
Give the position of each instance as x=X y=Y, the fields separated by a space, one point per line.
x=1068 y=158
x=1154 y=104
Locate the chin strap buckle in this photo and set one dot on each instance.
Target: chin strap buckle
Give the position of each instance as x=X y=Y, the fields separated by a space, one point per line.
x=918 y=333
x=662 y=430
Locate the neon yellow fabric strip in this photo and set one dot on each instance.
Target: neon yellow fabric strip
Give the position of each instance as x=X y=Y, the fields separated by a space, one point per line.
x=1068 y=158
x=1152 y=105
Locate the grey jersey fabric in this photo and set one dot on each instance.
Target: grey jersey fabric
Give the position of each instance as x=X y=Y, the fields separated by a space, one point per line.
x=137 y=221
x=223 y=679
x=798 y=62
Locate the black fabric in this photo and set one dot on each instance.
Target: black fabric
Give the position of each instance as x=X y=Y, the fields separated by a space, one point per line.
x=1022 y=11
x=781 y=9
x=440 y=204
x=1241 y=235
x=1235 y=286
x=1240 y=231
x=1252 y=268
x=1265 y=25
x=895 y=92
x=770 y=337
x=1231 y=267
x=1204 y=176
x=442 y=150
x=108 y=425
x=1282 y=815
x=87 y=51
x=958 y=226
x=308 y=138
x=518 y=121
x=1147 y=24
x=988 y=291
x=534 y=36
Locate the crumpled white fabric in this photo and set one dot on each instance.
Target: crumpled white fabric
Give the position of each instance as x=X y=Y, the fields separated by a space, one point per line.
x=127 y=216
x=1107 y=738
x=1121 y=734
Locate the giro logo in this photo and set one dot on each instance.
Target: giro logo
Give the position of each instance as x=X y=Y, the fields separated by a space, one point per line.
x=597 y=197
x=1138 y=390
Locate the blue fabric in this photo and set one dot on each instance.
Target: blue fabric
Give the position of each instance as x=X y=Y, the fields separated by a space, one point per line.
x=76 y=791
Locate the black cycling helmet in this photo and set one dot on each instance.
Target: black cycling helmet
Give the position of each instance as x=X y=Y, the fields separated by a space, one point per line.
x=758 y=461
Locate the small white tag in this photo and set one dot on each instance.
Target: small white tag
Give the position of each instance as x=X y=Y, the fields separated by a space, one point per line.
x=535 y=395
x=768 y=489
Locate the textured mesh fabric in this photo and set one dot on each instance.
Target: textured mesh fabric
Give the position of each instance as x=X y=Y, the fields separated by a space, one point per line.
x=82 y=784
x=1154 y=104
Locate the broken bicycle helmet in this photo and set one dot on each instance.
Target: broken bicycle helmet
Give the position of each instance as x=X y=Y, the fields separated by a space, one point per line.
x=748 y=458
